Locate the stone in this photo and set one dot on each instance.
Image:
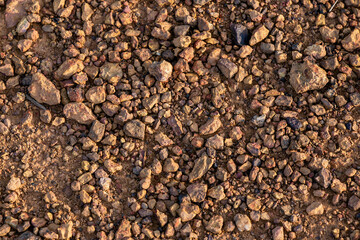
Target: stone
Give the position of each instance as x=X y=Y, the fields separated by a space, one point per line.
x=240 y=34
x=197 y=192
x=7 y=70
x=96 y=94
x=217 y=192
x=254 y=149
x=278 y=233
x=4 y=130
x=315 y=208
x=162 y=71
x=13 y=184
x=330 y=35
x=79 y=112
x=97 y=131
x=253 y=203
x=111 y=70
x=68 y=68
x=337 y=186
x=242 y=222
x=202 y=165
x=211 y=126
x=258 y=35
x=324 y=177
x=86 y=12
x=124 y=230
x=163 y=140
x=4 y=230
x=135 y=129
x=352 y=41
x=200 y=2
x=182 y=41
x=170 y=165
x=316 y=51
x=24 y=44
x=294 y=123
x=188 y=211
x=15 y=11
x=354 y=203
x=215 y=224
x=228 y=68
x=307 y=76
x=43 y=90
x=216 y=142
x=22 y=26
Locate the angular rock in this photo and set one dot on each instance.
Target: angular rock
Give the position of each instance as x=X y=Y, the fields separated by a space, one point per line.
x=258 y=35
x=242 y=222
x=211 y=126
x=97 y=131
x=163 y=140
x=316 y=208
x=215 y=224
x=111 y=70
x=124 y=230
x=197 y=192
x=329 y=35
x=7 y=70
x=43 y=90
x=68 y=68
x=96 y=95
x=202 y=165
x=79 y=112
x=188 y=211
x=14 y=184
x=241 y=34
x=352 y=41
x=354 y=203
x=324 y=177
x=135 y=129
x=278 y=233
x=162 y=71
x=228 y=68
x=15 y=11
x=307 y=76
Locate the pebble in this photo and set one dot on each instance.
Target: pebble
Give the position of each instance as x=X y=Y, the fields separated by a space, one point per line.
x=242 y=222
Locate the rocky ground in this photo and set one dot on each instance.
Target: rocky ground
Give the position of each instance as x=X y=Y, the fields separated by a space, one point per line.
x=179 y=119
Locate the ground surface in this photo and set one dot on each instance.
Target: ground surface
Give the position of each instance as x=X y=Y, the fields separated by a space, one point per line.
x=174 y=119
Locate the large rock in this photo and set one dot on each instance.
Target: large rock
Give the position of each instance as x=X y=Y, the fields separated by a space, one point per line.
x=352 y=41
x=43 y=90
x=68 y=68
x=242 y=222
x=202 y=165
x=307 y=76
x=161 y=70
x=79 y=112
x=135 y=129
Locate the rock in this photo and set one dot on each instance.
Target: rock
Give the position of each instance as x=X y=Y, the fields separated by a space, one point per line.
x=242 y=222
x=318 y=109
x=182 y=41
x=188 y=211
x=68 y=69
x=200 y=2
x=13 y=184
x=97 y=131
x=352 y=41
x=4 y=230
x=355 y=99
x=324 y=177
x=354 y=203
x=215 y=224
x=176 y=125
x=135 y=129
x=7 y=70
x=241 y=34
x=317 y=51
x=22 y=26
x=329 y=35
x=15 y=11
x=162 y=71
x=216 y=142
x=204 y=25
x=87 y=12
x=253 y=203
x=337 y=186
x=244 y=51
x=278 y=233
x=43 y=90
x=258 y=35
x=108 y=71
x=96 y=95
x=124 y=230
x=65 y=230
x=228 y=68
x=254 y=149
x=307 y=76
x=170 y=165
x=217 y=192
x=24 y=44
x=79 y=112
x=163 y=140
x=4 y=130
x=197 y=192
x=316 y=208
x=211 y=126
x=202 y=165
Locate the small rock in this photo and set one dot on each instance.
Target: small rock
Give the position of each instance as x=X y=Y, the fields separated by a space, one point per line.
x=258 y=35
x=354 y=203
x=4 y=130
x=14 y=184
x=87 y=12
x=68 y=69
x=329 y=35
x=202 y=165
x=97 y=131
x=163 y=140
x=241 y=34
x=211 y=126
x=170 y=165
x=242 y=222
x=7 y=70
x=124 y=230
x=307 y=76
x=79 y=112
x=24 y=44
x=317 y=51
x=43 y=90
x=96 y=95
x=197 y=192
x=228 y=68
x=4 y=230
x=278 y=233
x=188 y=211
x=135 y=129
x=215 y=224
x=294 y=123
x=162 y=71
x=316 y=208
x=352 y=41
x=217 y=192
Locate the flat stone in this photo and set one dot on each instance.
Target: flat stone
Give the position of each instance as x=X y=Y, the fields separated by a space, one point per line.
x=135 y=129
x=97 y=131
x=307 y=76
x=258 y=35
x=202 y=165
x=79 y=112
x=43 y=90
